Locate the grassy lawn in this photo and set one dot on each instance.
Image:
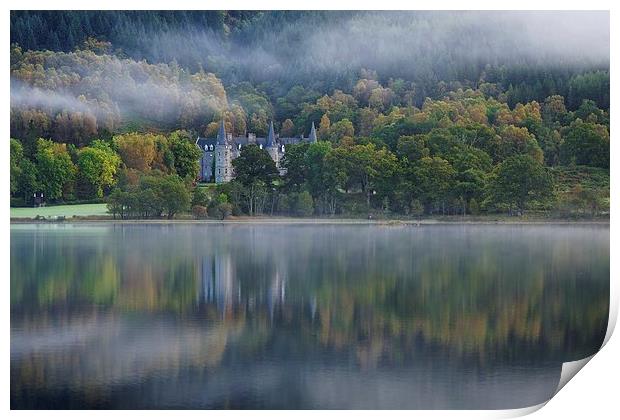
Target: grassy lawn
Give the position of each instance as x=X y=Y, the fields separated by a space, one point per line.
x=66 y=210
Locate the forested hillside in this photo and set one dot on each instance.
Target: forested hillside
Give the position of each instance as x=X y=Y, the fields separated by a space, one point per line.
x=416 y=112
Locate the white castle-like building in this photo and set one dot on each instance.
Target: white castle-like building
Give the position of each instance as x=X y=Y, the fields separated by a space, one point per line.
x=219 y=152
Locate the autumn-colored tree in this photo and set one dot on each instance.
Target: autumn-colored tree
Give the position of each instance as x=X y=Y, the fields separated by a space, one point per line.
x=554 y=109
x=288 y=128
x=324 y=126
x=366 y=121
x=136 y=150
x=518 y=140
x=340 y=130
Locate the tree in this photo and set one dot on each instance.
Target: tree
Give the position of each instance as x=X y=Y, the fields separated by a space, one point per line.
x=365 y=167
x=288 y=128
x=304 y=205
x=585 y=144
x=137 y=150
x=518 y=181
x=324 y=176
x=416 y=209
x=324 y=125
x=55 y=169
x=366 y=121
x=220 y=207
x=156 y=194
x=432 y=179
x=17 y=154
x=588 y=111
x=174 y=195
x=118 y=203
x=518 y=140
x=256 y=171
x=296 y=165
x=186 y=154
x=412 y=147
x=554 y=110
x=340 y=130
x=97 y=165
x=200 y=197
x=27 y=181
x=199 y=212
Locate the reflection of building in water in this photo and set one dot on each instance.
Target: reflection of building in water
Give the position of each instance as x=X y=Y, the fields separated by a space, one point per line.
x=217 y=280
x=276 y=291
x=221 y=284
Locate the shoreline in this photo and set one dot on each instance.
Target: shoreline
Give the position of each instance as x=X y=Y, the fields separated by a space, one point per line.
x=318 y=221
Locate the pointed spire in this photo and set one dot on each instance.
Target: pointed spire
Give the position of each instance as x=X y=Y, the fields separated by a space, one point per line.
x=271 y=137
x=312 y=137
x=221 y=135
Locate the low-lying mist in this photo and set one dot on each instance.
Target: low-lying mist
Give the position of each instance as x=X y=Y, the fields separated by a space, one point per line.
x=396 y=44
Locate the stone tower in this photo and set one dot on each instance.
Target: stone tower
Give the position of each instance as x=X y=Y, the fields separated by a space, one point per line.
x=272 y=147
x=223 y=160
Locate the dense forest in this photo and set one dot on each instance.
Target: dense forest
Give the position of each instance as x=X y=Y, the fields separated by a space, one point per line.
x=420 y=112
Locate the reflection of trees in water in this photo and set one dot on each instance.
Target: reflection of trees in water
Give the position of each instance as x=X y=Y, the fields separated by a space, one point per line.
x=99 y=349
x=374 y=292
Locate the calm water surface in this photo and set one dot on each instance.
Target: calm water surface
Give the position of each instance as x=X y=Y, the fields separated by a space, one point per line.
x=297 y=316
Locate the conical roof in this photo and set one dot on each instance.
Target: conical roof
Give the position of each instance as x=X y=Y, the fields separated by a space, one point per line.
x=221 y=135
x=312 y=137
x=271 y=137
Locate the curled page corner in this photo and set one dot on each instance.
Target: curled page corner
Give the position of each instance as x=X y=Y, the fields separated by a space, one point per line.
x=520 y=412
x=613 y=312
x=569 y=370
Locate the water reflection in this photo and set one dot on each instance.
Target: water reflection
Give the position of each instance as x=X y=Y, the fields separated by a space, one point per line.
x=263 y=316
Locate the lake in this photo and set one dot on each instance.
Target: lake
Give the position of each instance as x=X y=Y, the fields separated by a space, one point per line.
x=192 y=316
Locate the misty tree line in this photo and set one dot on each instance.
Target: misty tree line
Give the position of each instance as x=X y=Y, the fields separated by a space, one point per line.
x=85 y=95
x=281 y=49
x=121 y=71
x=82 y=96
x=434 y=135
x=465 y=154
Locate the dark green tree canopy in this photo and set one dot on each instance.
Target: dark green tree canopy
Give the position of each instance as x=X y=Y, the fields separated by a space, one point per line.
x=254 y=165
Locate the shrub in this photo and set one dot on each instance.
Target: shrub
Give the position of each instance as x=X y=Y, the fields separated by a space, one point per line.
x=199 y=212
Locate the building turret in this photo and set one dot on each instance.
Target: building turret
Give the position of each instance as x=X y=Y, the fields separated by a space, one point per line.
x=272 y=146
x=271 y=137
x=312 y=137
x=223 y=158
x=221 y=135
